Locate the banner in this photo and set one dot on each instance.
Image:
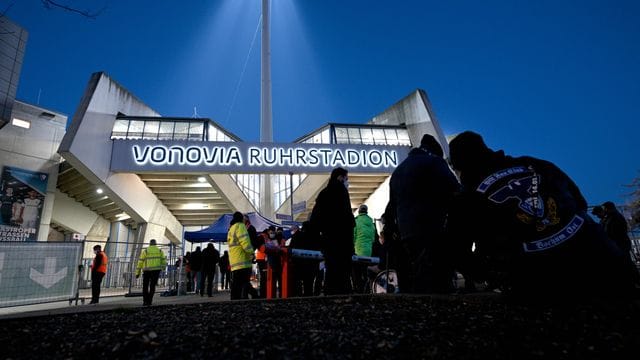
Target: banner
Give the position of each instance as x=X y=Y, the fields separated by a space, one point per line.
x=23 y=193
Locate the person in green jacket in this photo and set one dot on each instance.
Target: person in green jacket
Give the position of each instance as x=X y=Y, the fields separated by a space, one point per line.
x=364 y=234
x=151 y=262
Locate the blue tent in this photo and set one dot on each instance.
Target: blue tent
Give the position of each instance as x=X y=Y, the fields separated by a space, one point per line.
x=217 y=232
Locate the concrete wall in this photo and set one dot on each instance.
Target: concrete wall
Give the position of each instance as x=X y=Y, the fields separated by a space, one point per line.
x=378 y=200
x=13 y=42
x=87 y=146
x=72 y=214
x=414 y=111
x=35 y=149
x=231 y=192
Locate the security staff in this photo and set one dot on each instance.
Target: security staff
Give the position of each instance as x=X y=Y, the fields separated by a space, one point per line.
x=98 y=269
x=240 y=259
x=151 y=262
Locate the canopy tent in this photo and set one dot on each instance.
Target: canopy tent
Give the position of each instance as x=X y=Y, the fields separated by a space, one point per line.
x=217 y=232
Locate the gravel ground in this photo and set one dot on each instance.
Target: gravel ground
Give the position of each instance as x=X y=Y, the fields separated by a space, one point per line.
x=438 y=327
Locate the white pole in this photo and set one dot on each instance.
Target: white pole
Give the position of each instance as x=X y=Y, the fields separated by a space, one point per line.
x=266 y=125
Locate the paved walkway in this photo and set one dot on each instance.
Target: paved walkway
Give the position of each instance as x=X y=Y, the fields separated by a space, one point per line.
x=106 y=303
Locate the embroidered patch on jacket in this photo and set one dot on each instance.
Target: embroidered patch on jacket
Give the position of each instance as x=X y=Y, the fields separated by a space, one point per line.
x=556 y=239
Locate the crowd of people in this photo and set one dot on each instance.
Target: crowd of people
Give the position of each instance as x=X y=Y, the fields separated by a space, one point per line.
x=516 y=224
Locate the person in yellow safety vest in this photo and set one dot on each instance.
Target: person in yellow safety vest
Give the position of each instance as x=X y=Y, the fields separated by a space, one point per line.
x=240 y=259
x=98 y=269
x=151 y=262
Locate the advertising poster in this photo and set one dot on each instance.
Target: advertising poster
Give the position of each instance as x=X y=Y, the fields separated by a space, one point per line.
x=22 y=194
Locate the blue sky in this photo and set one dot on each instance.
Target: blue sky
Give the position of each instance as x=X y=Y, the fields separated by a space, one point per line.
x=559 y=80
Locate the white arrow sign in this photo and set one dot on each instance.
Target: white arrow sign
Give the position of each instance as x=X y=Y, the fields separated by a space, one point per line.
x=49 y=277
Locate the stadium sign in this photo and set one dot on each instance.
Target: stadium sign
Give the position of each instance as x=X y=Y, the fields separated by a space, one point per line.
x=238 y=157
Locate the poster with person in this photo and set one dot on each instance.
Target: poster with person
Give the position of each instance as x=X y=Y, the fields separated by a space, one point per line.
x=22 y=194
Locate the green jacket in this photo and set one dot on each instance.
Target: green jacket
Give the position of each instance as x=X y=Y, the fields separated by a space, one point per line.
x=240 y=249
x=151 y=259
x=363 y=235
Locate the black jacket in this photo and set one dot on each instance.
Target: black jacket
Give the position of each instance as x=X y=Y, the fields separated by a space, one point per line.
x=210 y=258
x=534 y=216
x=421 y=190
x=526 y=200
x=332 y=217
x=196 y=261
x=617 y=229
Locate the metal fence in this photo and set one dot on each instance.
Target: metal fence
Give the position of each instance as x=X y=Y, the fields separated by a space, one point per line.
x=37 y=272
x=32 y=272
x=120 y=277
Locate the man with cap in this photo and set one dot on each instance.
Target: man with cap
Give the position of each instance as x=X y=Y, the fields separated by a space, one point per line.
x=421 y=191
x=364 y=235
x=534 y=215
x=151 y=262
x=98 y=270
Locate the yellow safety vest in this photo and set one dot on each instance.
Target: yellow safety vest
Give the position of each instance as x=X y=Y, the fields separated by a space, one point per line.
x=151 y=258
x=240 y=249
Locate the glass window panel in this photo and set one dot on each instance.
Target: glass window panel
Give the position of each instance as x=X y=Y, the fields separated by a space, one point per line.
x=324 y=137
x=342 y=137
x=181 y=131
x=151 y=130
x=213 y=132
x=367 y=136
x=120 y=128
x=392 y=138
x=135 y=129
x=378 y=137
x=354 y=136
x=224 y=137
x=196 y=130
x=166 y=130
x=403 y=137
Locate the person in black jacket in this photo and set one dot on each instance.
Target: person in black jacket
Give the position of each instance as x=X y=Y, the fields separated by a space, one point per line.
x=305 y=271
x=421 y=191
x=225 y=272
x=210 y=258
x=615 y=225
x=530 y=211
x=332 y=218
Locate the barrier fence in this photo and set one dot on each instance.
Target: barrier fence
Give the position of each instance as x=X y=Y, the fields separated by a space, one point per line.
x=38 y=272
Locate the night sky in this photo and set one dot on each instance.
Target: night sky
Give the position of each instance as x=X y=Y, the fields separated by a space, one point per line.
x=558 y=80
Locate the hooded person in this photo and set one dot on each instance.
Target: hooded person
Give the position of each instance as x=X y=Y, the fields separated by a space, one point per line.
x=332 y=218
x=532 y=213
x=421 y=191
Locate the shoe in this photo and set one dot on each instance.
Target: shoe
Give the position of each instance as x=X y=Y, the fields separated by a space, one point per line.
x=93 y=302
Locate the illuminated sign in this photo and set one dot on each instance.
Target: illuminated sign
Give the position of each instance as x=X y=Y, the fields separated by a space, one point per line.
x=237 y=157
